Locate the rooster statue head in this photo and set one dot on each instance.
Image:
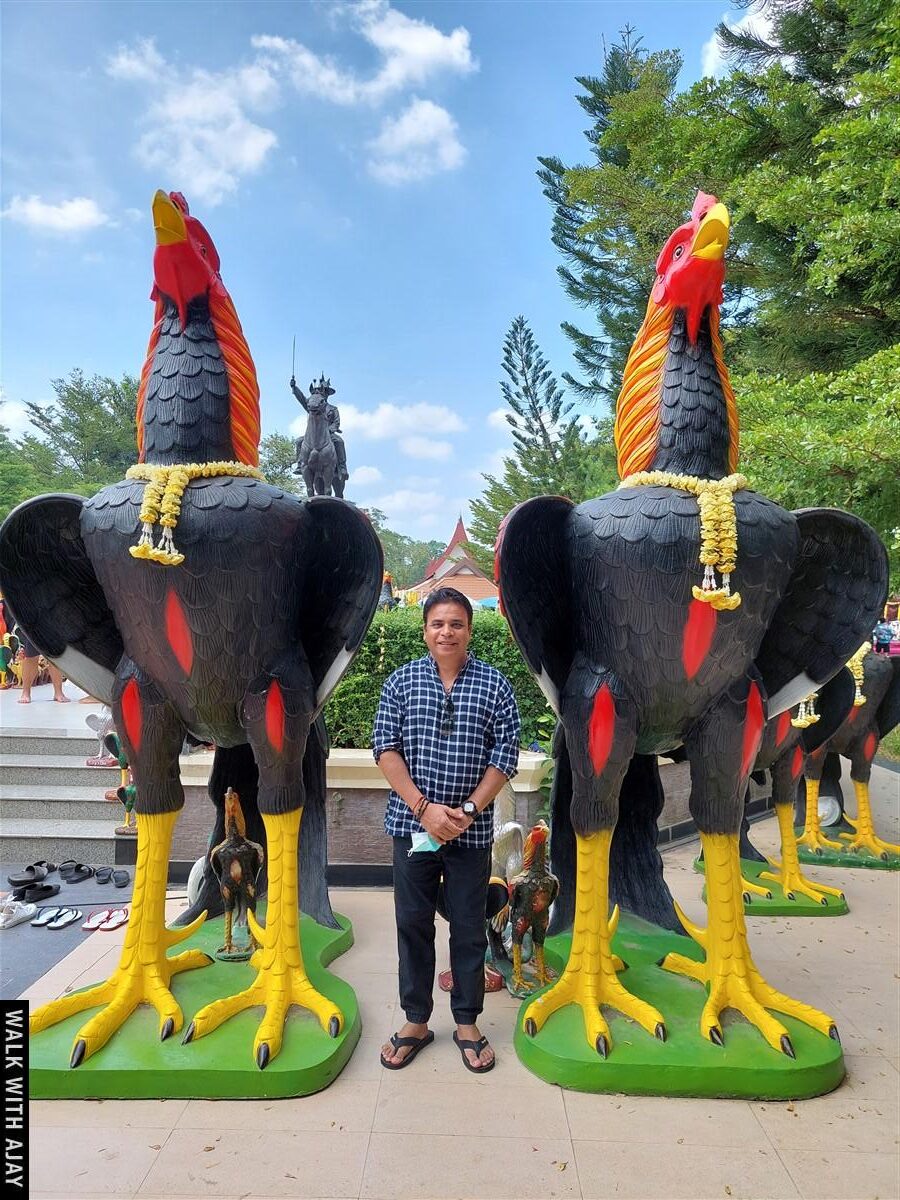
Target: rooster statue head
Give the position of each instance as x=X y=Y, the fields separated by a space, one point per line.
x=690 y=269
x=681 y=326
x=186 y=262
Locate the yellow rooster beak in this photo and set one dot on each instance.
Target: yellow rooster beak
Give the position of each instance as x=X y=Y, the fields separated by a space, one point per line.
x=168 y=223
x=712 y=236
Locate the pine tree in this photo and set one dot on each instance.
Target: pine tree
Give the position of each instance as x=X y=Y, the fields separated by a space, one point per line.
x=602 y=270
x=550 y=454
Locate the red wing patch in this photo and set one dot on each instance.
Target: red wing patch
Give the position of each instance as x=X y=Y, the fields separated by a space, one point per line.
x=698 y=635
x=132 y=713
x=870 y=745
x=601 y=728
x=783 y=727
x=275 y=717
x=753 y=728
x=178 y=632
x=796 y=762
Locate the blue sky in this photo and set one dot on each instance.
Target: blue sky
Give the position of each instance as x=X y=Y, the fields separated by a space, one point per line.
x=367 y=172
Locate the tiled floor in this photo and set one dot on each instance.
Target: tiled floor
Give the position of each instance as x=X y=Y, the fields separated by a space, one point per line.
x=437 y=1131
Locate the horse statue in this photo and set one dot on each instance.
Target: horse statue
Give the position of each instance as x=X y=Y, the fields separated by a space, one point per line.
x=321 y=457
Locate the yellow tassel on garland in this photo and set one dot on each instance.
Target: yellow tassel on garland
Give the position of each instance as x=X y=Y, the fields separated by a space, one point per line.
x=718 y=528
x=855 y=667
x=806 y=713
x=162 y=502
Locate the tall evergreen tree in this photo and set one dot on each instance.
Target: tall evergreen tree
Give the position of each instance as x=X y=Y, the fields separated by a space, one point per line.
x=602 y=269
x=551 y=454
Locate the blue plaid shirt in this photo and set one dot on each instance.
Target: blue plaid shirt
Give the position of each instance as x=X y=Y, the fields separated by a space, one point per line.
x=447 y=768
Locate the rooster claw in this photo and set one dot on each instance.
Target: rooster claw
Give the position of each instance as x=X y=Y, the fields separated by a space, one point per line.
x=660 y=1032
x=167 y=1030
x=787 y=1046
x=531 y=1027
x=602 y=1045
x=78 y=1053
x=715 y=1036
x=262 y=1056
x=188 y=1034
x=334 y=1027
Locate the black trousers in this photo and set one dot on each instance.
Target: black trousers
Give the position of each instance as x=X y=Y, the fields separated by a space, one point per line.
x=465 y=871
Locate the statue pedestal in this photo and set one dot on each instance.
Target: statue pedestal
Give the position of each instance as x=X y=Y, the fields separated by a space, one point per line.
x=686 y=1064
x=780 y=905
x=846 y=858
x=134 y=1064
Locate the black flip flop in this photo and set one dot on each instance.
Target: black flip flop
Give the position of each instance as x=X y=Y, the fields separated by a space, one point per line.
x=476 y=1047
x=103 y=874
x=80 y=873
x=121 y=878
x=68 y=864
x=34 y=874
x=38 y=892
x=417 y=1044
x=64 y=918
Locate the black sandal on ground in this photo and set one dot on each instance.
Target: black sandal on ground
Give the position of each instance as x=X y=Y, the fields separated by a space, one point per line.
x=417 y=1044
x=476 y=1048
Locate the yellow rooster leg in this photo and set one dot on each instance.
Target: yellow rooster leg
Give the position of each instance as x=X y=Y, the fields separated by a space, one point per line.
x=731 y=975
x=865 y=837
x=590 y=978
x=787 y=874
x=540 y=966
x=281 y=979
x=144 y=972
x=518 y=980
x=812 y=837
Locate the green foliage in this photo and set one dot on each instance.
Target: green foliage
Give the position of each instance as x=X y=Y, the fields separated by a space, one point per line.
x=395 y=638
x=84 y=440
x=552 y=454
x=404 y=557
x=276 y=458
x=802 y=146
x=829 y=439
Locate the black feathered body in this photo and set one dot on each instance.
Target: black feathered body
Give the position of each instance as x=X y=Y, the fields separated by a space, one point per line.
x=238 y=590
x=635 y=557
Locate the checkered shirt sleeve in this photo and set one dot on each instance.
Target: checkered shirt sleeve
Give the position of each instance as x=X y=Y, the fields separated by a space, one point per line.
x=446 y=767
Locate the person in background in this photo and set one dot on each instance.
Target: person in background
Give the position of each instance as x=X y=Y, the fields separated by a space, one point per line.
x=882 y=635
x=446 y=739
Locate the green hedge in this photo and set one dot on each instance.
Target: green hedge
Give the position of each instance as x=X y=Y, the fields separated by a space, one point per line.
x=395 y=638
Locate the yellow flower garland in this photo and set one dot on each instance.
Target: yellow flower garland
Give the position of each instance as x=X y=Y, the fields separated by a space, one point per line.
x=855 y=667
x=718 y=527
x=162 y=502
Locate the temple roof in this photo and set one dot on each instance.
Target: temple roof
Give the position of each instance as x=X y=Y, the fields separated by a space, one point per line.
x=459 y=538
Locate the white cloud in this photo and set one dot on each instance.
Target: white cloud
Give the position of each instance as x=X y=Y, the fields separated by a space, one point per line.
x=411 y=51
x=408 y=505
x=142 y=61
x=424 y=447
x=420 y=142
x=67 y=217
x=198 y=123
x=712 y=61
x=364 y=476
x=497 y=419
x=395 y=420
x=14 y=416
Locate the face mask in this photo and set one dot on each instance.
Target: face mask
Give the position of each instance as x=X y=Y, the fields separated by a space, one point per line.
x=422 y=841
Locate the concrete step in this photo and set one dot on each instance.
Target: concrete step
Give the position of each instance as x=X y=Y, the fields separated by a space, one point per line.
x=58 y=770
x=25 y=840
x=54 y=770
x=55 y=804
x=25 y=741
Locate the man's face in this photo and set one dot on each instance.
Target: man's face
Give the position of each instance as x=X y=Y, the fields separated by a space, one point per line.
x=447 y=632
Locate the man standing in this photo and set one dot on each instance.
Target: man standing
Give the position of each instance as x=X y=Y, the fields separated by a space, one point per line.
x=447 y=740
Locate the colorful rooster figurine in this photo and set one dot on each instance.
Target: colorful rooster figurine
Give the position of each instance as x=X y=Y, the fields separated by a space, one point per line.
x=531 y=893
x=237 y=863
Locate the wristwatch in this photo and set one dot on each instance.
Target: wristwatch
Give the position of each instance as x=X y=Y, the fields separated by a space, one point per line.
x=470 y=808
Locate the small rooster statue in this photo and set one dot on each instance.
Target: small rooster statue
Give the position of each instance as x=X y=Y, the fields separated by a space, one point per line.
x=681 y=609
x=237 y=863
x=192 y=596
x=531 y=893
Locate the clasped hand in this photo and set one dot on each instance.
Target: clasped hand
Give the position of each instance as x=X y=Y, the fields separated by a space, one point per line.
x=444 y=823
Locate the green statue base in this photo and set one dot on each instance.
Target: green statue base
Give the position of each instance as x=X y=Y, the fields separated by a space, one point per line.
x=779 y=905
x=685 y=1064
x=846 y=858
x=134 y=1064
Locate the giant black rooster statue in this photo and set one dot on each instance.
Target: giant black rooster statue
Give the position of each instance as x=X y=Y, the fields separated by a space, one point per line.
x=192 y=596
x=641 y=647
